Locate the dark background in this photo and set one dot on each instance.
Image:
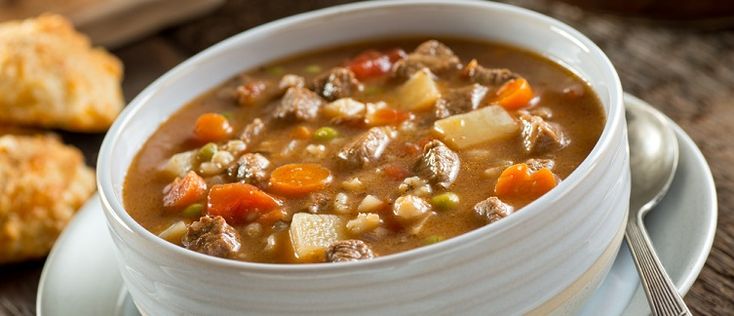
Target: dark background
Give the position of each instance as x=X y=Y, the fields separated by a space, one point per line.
x=684 y=69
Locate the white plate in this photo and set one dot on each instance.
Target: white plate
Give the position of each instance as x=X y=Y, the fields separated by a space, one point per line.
x=682 y=230
x=81 y=275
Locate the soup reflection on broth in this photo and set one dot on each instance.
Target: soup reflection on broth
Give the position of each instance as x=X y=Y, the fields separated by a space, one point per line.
x=362 y=150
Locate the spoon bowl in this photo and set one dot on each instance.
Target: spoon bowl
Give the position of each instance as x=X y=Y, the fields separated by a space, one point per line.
x=653 y=156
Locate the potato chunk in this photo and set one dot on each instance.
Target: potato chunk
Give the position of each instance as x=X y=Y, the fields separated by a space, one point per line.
x=344 y=109
x=370 y=203
x=419 y=93
x=174 y=233
x=464 y=130
x=410 y=208
x=312 y=234
x=179 y=164
x=363 y=223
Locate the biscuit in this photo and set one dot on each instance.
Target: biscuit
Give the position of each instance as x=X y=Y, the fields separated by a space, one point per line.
x=51 y=77
x=42 y=184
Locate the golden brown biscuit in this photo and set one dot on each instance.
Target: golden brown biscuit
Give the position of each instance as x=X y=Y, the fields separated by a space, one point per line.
x=50 y=76
x=42 y=184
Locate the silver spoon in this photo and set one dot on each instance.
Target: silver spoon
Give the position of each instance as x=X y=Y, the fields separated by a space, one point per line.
x=653 y=160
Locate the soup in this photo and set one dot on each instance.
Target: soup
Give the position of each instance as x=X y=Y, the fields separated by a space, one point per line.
x=362 y=150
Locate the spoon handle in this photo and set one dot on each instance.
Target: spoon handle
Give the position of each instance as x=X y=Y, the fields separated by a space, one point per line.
x=661 y=293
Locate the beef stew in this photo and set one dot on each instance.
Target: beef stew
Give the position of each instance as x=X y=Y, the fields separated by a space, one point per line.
x=363 y=150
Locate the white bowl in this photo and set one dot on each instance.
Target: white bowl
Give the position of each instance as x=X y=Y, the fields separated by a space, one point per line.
x=544 y=259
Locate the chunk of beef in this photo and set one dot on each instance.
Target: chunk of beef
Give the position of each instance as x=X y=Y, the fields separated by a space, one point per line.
x=487 y=76
x=539 y=136
x=318 y=203
x=250 y=168
x=432 y=54
x=537 y=164
x=439 y=164
x=349 y=250
x=212 y=236
x=251 y=132
x=460 y=100
x=298 y=104
x=365 y=148
x=291 y=80
x=492 y=209
x=336 y=84
x=543 y=112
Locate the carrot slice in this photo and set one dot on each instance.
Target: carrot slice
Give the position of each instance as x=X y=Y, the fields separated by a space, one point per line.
x=518 y=182
x=542 y=181
x=212 y=127
x=236 y=201
x=299 y=178
x=301 y=132
x=386 y=116
x=184 y=191
x=271 y=217
x=515 y=94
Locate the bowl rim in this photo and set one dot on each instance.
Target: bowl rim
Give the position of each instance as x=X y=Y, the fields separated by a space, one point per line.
x=115 y=210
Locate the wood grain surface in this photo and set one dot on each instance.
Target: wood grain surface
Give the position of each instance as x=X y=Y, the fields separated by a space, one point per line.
x=688 y=73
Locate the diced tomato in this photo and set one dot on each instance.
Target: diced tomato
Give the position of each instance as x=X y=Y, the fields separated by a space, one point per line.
x=249 y=93
x=372 y=63
x=396 y=54
x=235 y=201
x=410 y=149
x=395 y=172
x=184 y=191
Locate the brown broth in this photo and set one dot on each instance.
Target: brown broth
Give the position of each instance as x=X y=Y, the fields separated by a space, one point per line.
x=581 y=117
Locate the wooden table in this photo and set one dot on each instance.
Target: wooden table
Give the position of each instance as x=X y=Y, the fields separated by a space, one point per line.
x=686 y=73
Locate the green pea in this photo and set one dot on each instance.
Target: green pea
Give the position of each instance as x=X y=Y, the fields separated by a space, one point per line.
x=275 y=70
x=372 y=90
x=227 y=115
x=433 y=239
x=312 y=69
x=325 y=134
x=445 y=201
x=193 y=210
x=207 y=152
